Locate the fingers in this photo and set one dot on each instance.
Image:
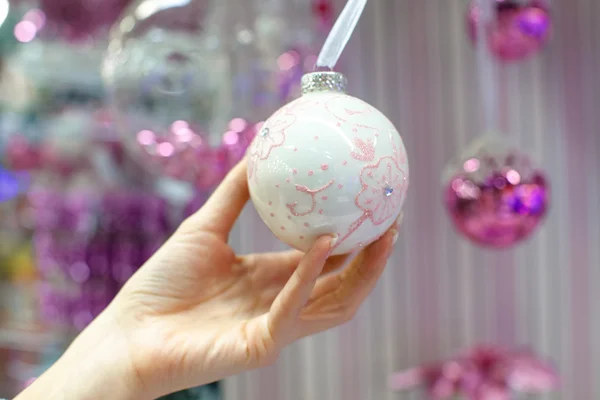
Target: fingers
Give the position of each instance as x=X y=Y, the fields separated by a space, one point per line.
x=289 y=304
x=278 y=267
x=221 y=211
x=337 y=298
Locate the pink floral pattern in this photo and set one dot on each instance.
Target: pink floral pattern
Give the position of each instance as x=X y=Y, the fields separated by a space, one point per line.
x=353 y=114
x=270 y=136
x=301 y=105
x=376 y=179
x=399 y=156
x=366 y=150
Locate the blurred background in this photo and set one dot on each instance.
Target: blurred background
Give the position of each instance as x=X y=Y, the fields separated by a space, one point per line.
x=121 y=114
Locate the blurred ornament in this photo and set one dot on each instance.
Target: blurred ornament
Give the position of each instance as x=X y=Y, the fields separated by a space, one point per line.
x=483 y=373
x=348 y=177
x=494 y=195
x=324 y=11
x=75 y=20
x=520 y=30
x=186 y=97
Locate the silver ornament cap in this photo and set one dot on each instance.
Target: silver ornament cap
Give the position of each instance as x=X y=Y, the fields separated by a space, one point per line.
x=324 y=81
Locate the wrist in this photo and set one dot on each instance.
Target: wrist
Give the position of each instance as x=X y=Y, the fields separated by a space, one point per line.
x=96 y=366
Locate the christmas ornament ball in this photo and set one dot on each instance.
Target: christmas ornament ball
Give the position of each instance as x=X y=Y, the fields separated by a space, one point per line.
x=495 y=196
x=328 y=163
x=521 y=28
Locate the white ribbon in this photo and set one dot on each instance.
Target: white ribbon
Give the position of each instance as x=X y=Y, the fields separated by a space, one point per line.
x=340 y=34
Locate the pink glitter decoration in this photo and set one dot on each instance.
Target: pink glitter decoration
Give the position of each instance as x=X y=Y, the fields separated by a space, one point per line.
x=522 y=28
x=311 y=173
x=313 y=194
x=324 y=167
x=295 y=171
x=271 y=137
x=484 y=373
x=366 y=150
x=387 y=178
x=344 y=162
x=340 y=186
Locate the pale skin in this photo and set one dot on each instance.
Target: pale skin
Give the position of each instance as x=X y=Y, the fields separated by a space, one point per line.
x=196 y=312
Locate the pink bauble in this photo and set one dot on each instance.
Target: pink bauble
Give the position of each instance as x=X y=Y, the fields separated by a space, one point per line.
x=328 y=163
x=521 y=28
x=494 y=196
x=80 y=19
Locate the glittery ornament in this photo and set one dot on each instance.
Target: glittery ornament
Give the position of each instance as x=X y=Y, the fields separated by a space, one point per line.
x=494 y=195
x=520 y=30
x=482 y=373
x=328 y=163
x=187 y=87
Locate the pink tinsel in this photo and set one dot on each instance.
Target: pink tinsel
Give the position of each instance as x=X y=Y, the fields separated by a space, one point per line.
x=483 y=373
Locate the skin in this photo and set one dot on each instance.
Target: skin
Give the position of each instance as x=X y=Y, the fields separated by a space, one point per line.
x=196 y=312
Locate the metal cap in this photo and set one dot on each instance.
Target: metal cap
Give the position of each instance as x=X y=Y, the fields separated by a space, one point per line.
x=324 y=81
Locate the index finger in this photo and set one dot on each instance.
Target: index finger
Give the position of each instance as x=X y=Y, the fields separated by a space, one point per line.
x=224 y=207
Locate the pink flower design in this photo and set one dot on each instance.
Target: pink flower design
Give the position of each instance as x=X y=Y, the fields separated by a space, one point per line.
x=350 y=110
x=399 y=155
x=383 y=189
x=301 y=105
x=366 y=150
x=270 y=136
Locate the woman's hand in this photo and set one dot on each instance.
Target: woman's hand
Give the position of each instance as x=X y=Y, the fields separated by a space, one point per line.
x=196 y=312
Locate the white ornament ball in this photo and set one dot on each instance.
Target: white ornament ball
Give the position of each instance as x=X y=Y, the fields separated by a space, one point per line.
x=328 y=163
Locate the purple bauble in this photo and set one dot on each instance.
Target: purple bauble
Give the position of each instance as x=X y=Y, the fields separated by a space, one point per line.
x=495 y=197
x=521 y=29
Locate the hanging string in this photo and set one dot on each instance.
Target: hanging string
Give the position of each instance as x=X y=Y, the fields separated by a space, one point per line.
x=340 y=34
x=488 y=79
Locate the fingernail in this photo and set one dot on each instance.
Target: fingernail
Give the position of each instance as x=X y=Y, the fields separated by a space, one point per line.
x=395 y=236
x=334 y=241
x=400 y=220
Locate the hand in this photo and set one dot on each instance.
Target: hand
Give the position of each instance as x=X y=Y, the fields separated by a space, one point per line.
x=196 y=312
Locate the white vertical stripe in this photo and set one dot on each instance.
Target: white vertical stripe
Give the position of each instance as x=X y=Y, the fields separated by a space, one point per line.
x=590 y=102
x=541 y=268
x=594 y=201
x=561 y=213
